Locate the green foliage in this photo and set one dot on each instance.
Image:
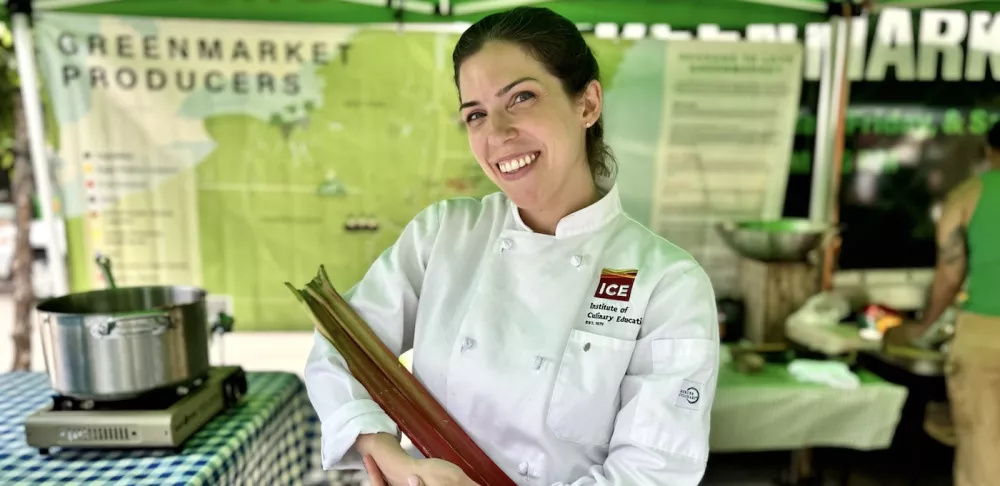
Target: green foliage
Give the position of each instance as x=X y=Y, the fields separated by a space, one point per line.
x=8 y=75
x=8 y=85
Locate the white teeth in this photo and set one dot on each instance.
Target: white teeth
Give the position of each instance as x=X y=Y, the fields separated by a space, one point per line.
x=515 y=164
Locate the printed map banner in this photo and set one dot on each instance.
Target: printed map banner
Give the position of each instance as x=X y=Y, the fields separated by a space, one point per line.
x=238 y=156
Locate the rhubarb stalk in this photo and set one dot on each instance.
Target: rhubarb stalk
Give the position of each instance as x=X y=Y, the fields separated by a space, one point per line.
x=431 y=444
x=355 y=326
x=433 y=431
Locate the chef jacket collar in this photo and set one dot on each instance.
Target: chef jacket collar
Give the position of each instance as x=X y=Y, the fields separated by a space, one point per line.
x=587 y=219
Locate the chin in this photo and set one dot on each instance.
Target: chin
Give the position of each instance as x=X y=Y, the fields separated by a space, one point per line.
x=523 y=198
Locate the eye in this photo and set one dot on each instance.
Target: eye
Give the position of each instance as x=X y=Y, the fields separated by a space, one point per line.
x=474 y=116
x=523 y=96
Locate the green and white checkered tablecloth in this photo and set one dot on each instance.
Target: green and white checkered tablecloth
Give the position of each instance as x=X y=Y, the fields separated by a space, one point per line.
x=268 y=439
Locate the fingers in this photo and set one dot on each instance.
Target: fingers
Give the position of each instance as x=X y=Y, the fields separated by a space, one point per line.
x=374 y=474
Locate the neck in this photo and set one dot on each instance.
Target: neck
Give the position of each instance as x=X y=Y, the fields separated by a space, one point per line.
x=575 y=195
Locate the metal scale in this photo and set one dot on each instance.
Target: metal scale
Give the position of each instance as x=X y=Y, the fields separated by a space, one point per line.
x=159 y=419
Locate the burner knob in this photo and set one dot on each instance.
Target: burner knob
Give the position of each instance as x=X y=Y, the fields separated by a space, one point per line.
x=67 y=405
x=182 y=390
x=87 y=404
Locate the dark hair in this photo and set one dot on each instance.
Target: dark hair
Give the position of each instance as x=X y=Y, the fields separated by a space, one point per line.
x=993 y=137
x=555 y=42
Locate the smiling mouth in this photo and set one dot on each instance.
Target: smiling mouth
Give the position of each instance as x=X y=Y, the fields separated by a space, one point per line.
x=513 y=165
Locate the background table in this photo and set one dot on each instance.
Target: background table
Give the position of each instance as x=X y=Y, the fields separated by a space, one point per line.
x=771 y=411
x=268 y=439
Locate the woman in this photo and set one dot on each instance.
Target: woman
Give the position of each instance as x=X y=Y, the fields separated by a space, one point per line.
x=572 y=344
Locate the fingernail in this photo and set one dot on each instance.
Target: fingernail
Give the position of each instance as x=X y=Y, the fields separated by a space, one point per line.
x=413 y=481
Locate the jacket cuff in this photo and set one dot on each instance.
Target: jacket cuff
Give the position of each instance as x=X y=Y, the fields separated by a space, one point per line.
x=341 y=429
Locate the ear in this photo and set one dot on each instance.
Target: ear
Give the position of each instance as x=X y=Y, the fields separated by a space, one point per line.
x=591 y=102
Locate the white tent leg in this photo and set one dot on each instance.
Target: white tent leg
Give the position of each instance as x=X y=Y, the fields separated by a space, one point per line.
x=24 y=50
x=827 y=119
x=819 y=194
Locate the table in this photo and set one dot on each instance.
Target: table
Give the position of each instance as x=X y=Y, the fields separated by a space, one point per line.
x=270 y=438
x=924 y=388
x=771 y=411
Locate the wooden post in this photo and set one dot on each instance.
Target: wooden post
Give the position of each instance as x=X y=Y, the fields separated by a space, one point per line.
x=832 y=250
x=24 y=291
x=771 y=293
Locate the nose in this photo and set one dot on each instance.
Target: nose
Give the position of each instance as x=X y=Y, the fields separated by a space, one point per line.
x=501 y=130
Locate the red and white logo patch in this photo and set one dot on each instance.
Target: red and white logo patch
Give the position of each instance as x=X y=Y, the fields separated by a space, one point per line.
x=615 y=284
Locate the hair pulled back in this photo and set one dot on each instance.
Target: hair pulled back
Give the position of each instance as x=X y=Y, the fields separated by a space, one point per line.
x=557 y=44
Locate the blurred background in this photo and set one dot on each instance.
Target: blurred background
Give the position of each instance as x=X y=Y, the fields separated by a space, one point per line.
x=234 y=146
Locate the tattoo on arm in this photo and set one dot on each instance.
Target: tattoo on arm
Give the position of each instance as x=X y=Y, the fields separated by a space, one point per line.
x=953 y=250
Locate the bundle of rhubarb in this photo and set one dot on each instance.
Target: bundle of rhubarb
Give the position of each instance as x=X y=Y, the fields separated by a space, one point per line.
x=408 y=403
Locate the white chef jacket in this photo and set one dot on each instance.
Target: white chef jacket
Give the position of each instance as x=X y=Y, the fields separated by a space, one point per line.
x=564 y=367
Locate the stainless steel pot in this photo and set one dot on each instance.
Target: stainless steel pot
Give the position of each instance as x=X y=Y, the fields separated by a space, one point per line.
x=117 y=343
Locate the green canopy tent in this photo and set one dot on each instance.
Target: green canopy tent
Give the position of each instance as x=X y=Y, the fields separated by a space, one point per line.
x=682 y=14
x=725 y=13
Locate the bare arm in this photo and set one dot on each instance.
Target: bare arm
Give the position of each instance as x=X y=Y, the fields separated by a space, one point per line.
x=952 y=258
x=948 y=275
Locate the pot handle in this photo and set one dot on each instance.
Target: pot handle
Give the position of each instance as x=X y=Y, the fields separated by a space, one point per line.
x=150 y=322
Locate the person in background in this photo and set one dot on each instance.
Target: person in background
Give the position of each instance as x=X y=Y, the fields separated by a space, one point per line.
x=968 y=236
x=571 y=343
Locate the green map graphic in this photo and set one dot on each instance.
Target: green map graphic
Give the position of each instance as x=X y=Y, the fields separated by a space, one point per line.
x=388 y=131
x=331 y=181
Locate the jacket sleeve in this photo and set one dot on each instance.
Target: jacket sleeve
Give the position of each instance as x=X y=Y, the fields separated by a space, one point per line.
x=387 y=299
x=661 y=432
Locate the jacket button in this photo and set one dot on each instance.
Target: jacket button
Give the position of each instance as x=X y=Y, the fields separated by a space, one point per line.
x=467 y=344
x=576 y=260
x=506 y=244
x=522 y=469
x=539 y=361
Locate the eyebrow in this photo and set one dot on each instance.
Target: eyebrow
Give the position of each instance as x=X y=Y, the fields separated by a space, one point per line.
x=499 y=93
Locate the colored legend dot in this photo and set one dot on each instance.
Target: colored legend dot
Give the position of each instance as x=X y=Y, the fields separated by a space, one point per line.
x=88 y=168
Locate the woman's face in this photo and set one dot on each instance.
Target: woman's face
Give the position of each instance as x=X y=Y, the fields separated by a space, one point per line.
x=526 y=132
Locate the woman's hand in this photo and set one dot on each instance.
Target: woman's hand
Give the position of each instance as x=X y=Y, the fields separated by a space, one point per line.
x=385 y=460
x=389 y=465
x=435 y=472
x=426 y=472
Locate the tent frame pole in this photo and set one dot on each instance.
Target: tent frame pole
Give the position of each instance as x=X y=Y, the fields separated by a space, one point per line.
x=839 y=101
x=27 y=70
x=818 y=200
